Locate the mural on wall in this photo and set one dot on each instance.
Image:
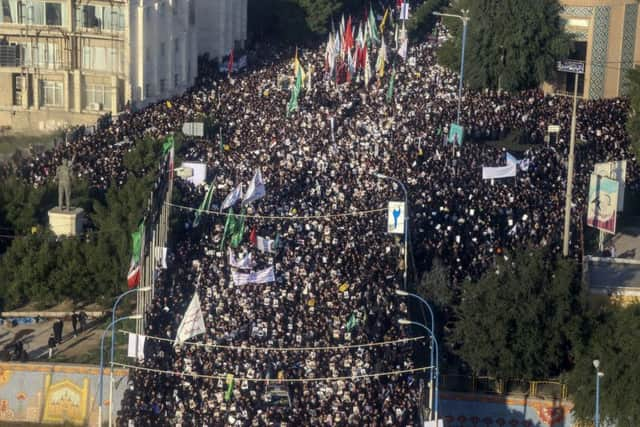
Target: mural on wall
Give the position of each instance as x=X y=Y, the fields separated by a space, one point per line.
x=65 y=401
x=52 y=394
x=466 y=410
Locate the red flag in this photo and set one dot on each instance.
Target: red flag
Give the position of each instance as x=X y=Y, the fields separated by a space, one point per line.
x=230 y=69
x=348 y=36
x=253 y=239
x=133 y=276
x=399 y=4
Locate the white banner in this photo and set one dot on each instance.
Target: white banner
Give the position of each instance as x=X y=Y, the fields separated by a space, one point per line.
x=255 y=190
x=192 y=323
x=265 y=244
x=395 y=218
x=199 y=172
x=244 y=263
x=508 y=171
x=263 y=276
x=193 y=129
x=136 y=346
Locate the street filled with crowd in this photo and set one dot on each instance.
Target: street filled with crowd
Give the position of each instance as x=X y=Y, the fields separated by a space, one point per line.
x=336 y=268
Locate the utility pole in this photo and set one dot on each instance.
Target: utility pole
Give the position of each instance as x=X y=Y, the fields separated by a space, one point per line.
x=577 y=68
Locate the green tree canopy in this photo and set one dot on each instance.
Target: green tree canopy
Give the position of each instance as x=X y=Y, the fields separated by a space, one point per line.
x=510 y=43
x=519 y=320
x=633 y=124
x=615 y=341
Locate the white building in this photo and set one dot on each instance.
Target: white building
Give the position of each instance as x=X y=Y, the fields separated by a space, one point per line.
x=64 y=62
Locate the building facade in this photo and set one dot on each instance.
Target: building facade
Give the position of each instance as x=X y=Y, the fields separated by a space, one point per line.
x=65 y=62
x=606 y=37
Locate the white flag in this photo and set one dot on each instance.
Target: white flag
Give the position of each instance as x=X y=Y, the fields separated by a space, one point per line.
x=256 y=189
x=508 y=171
x=192 y=323
x=245 y=263
x=136 y=346
x=403 y=49
x=263 y=276
x=265 y=244
x=404 y=11
x=161 y=257
x=232 y=198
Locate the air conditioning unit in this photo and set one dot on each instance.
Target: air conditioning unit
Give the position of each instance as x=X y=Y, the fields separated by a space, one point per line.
x=94 y=106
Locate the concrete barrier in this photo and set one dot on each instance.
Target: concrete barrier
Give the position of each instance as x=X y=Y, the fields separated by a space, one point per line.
x=56 y=393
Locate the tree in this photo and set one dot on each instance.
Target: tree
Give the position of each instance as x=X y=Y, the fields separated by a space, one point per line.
x=422 y=20
x=319 y=12
x=615 y=341
x=513 y=44
x=633 y=124
x=519 y=320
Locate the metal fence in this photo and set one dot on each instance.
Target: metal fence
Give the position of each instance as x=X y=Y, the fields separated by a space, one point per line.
x=547 y=389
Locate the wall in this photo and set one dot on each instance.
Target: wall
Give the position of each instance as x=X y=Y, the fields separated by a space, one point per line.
x=50 y=394
x=469 y=410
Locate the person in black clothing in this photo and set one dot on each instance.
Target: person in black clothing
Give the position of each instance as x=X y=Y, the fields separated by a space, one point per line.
x=57 y=330
x=52 y=344
x=74 y=323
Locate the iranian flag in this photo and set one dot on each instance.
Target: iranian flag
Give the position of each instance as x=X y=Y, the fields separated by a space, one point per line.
x=133 y=277
x=169 y=148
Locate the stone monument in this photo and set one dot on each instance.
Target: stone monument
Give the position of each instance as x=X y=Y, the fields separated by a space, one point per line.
x=64 y=219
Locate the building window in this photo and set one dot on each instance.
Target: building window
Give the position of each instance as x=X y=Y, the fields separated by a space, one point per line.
x=18 y=87
x=176 y=46
x=147 y=90
x=97 y=97
x=53 y=13
x=176 y=80
x=162 y=48
x=89 y=17
x=163 y=85
x=51 y=93
x=192 y=12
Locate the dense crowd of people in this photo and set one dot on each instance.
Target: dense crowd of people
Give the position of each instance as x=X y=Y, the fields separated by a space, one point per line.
x=336 y=267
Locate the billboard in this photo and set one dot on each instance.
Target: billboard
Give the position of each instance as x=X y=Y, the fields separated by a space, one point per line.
x=603 y=203
x=618 y=172
x=456 y=134
x=395 y=218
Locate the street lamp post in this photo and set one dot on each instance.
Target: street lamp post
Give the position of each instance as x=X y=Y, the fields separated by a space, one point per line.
x=113 y=337
x=406 y=221
x=465 y=20
x=402 y=293
x=577 y=68
x=596 y=364
x=435 y=345
x=104 y=333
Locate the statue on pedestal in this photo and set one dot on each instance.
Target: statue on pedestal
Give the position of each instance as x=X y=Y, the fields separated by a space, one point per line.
x=63 y=175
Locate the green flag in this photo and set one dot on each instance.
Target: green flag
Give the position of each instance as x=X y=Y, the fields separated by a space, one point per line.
x=168 y=145
x=136 y=239
x=238 y=233
x=391 y=83
x=229 y=227
x=352 y=322
x=204 y=206
x=230 y=381
x=295 y=92
x=373 y=30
